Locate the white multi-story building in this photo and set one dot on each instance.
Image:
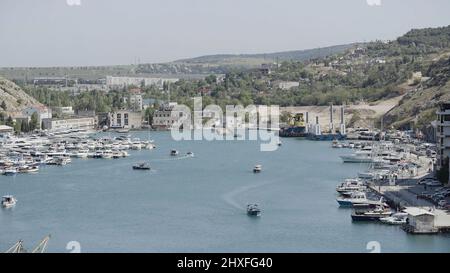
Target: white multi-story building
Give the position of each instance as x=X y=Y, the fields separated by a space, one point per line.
x=84 y=123
x=163 y=119
x=120 y=82
x=125 y=119
x=443 y=134
x=41 y=111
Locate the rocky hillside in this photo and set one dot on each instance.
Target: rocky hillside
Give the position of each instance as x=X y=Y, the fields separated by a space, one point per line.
x=419 y=105
x=13 y=99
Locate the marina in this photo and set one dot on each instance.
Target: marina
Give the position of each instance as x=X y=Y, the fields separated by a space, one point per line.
x=206 y=197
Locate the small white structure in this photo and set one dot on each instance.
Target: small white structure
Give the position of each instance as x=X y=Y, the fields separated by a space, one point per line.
x=4 y=130
x=288 y=85
x=420 y=221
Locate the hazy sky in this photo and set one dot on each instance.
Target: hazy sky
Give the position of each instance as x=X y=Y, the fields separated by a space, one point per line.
x=100 y=32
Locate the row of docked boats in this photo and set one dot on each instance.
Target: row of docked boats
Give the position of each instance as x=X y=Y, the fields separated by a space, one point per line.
x=353 y=193
x=26 y=155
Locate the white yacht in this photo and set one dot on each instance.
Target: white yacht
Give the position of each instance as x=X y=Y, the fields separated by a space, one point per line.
x=10 y=171
x=351 y=185
x=28 y=169
x=358 y=157
x=359 y=199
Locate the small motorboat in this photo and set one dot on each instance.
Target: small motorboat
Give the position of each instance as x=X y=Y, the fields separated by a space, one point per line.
x=360 y=200
x=395 y=219
x=142 y=166
x=191 y=154
x=174 y=152
x=123 y=131
x=117 y=155
x=257 y=169
x=253 y=210
x=8 y=201
x=28 y=169
x=371 y=215
x=10 y=171
x=350 y=185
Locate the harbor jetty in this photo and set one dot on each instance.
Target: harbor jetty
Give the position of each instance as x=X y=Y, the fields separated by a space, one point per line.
x=401 y=172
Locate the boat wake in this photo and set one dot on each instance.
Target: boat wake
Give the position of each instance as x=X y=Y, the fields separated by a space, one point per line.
x=230 y=196
x=172 y=159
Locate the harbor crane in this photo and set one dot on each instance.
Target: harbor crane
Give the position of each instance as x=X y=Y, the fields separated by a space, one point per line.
x=19 y=248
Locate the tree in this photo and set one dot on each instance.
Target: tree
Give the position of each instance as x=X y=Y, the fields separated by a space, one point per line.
x=34 y=122
x=24 y=126
x=211 y=79
x=17 y=127
x=9 y=122
x=149 y=112
x=4 y=106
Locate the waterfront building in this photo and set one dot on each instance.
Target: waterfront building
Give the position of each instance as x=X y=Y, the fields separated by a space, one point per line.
x=42 y=112
x=443 y=134
x=420 y=221
x=163 y=119
x=62 y=124
x=125 y=119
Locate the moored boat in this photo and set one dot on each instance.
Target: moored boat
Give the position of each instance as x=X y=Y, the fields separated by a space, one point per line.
x=359 y=199
x=371 y=215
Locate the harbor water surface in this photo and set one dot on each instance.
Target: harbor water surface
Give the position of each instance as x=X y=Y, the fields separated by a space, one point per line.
x=198 y=204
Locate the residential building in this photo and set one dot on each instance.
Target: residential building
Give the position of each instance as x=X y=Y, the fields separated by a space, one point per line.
x=62 y=124
x=265 y=69
x=121 y=82
x=63 y=111
x=125 y=119
x=443 y=134
x=136 y=102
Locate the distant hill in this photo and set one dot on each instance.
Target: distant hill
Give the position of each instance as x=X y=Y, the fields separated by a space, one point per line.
x=296 y=55
x=14 y=98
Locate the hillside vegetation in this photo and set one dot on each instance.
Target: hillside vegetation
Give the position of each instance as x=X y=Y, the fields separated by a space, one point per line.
x=412 y=70
x=13 y=99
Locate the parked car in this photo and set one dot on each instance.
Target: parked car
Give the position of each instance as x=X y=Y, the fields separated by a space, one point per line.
x=442 y=203
x=425 y=180
x=434 y=184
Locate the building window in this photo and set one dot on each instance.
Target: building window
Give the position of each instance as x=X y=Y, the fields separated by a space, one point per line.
x=125 y=116
x=119 y=119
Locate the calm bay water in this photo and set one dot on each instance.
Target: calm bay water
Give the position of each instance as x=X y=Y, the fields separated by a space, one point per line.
x=198 y=204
